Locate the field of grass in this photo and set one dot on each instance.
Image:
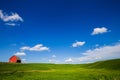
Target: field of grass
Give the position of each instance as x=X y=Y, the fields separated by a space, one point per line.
x=104 y=70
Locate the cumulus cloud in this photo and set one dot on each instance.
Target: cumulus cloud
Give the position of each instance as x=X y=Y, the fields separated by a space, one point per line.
x=99 y=30
x=102 y=53
x=69 y=60
x=10 y=19
x=78 y=43
x=20 y=54
x=38 y=47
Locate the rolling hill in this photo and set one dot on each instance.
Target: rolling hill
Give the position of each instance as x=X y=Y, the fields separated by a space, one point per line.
x=102 y=70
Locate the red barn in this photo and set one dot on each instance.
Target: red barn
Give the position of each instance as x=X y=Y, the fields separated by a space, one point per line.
x=15 y=59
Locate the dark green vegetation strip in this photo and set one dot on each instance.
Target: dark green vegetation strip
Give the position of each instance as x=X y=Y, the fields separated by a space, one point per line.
x=104 y=70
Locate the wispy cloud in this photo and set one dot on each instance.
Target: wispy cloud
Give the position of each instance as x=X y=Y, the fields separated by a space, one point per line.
x=20 y=53
x=38 y=47
x=102 y=53
x=10 y=19
x=99 y=30
x=11 y=24
x=78 y=43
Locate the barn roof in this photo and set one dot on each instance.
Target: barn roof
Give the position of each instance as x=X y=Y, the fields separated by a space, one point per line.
x=16 y=57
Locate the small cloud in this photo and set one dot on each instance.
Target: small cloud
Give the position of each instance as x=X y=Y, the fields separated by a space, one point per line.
x=69 y=60
x=10 y=19
x=54 y=56
x=20 y=54
x=53 y=61
x=96 y=45
x=78 y=43
x=11 y=24
x=99 y=31
x=13 y=17
x=38 y=47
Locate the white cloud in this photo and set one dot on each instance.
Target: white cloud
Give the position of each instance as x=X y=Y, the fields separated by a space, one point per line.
x=69 y=60
x=11 y=24
x=54 y=56
x=13 y=18
x=38 y=47
x=20 y=54
x=78 y=43
x=25 y=48
x=102 y=53
x=99 y=30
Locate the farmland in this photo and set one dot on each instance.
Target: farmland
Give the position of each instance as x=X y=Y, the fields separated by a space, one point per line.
x=103 y=70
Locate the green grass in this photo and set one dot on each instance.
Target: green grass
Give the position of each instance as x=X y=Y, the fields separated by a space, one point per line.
x=104 y=70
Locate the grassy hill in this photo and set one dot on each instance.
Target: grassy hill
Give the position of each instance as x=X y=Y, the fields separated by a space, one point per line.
x=108 y=64
x=103 y=70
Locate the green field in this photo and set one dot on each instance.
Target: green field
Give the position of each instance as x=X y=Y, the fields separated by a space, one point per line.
x=104 y=70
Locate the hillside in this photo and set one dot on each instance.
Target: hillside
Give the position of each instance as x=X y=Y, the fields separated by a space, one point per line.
x=108 y=64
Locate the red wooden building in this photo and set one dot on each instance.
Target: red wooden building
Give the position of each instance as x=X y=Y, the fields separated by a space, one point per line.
x=15 y=59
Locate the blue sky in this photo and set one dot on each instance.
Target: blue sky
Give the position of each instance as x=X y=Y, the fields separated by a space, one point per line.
x=60 y=31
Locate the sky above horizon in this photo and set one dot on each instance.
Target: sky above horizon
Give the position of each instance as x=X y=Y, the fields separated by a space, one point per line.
x=60 y=31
